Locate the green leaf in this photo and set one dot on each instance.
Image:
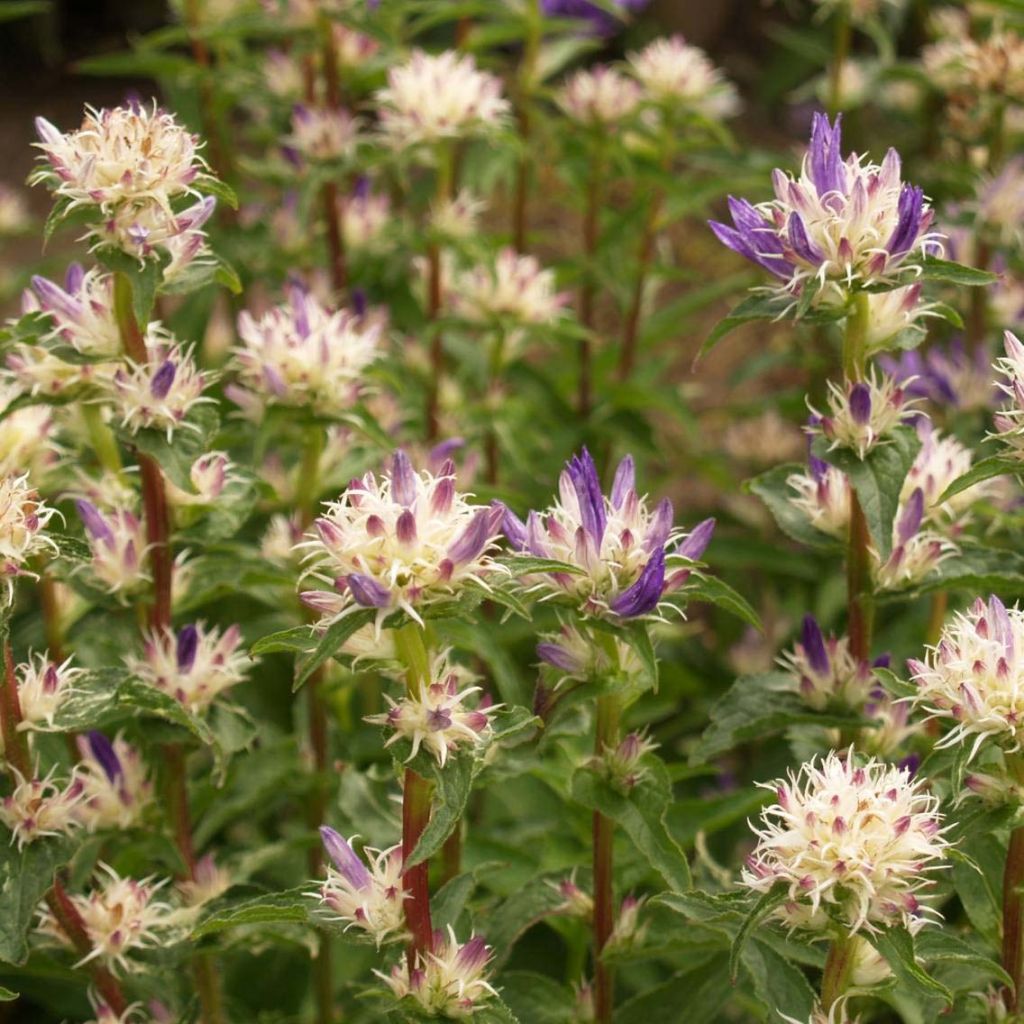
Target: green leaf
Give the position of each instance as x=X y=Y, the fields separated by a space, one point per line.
x=144 y=276
x=538 y=999
x=717 y=592
x=641 y=814
x=758 y=706
x=525 y=565
x=897 y=946
x=933 y=269
x=765 y=904
x=773 y=489
x=703 y=992
x=939 y=945
x=292 y=906
x=332 y=641
x=877 y=479
x=452 y=786
x=447 y=904
x=14 y=9
x=26 y=876
x=6 y=995
x=976 y=570
x=194 y=437
x=985 y=469
x=782 y=988
x=297 y=640
x=529 y=904
x=221 y=189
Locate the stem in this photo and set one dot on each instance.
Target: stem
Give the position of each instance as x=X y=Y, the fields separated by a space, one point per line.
x=410 y=644
x=858 y=560
x=840 y=49
x=15 y=740
x=497 y=359
x=606 y=735
x=838 y=967
x=336 y=261
x=591 y=235
x=50 y=611
x=1013 y=903
x=444 y=189
x=102 y=439
x=527 y=73
x=977 y=311
x=936 y=616
x=631 y=333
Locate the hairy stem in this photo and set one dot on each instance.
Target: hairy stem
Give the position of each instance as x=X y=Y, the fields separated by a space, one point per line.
x=838 y=968
x=527 y=76
x=840 y=50
x=606 y=735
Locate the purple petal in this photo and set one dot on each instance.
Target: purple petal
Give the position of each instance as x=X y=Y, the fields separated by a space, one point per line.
x=367 y=591
x=624 y=482
x=345 y=859
x=103 y=751
x=514 y=529
x=801 y=243
x=475 y=537
x=1001 y=624
x=583 y=474
x=860 y=403
x=403 y=479
x=825 y=157
x=163 y=379
x=96 y=526
x=643 y=596
x=659 y=527
x=910 y=522
x=697 y=540
x=911 y=204
x=813 y=644
x=556 y=655
x=472 y=957
x=188 y=645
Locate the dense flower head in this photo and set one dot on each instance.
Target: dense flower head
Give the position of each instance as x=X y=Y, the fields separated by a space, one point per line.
x=456 y=218
x=859 y=839
x=942 y=460
x=862 y=414
x=302 y=353
x=513 y=288
x=28 y=436
x=403 y=539
x=575 y=656
x=207 y=881
x=160 y=393
x=364 y=216
x=365 y=896
x=671 y=71
x=43 y=686
x=115 y=782
x=209 y=475
x=1009 y=420
x=195 y=665
x=623 y=764
x=438 y=718
x=599 y=96
x=122 y=154
x=322 y=133
x=352 y=47
x=432 y=97
x=893 y=313
x=839 y=226
x=827 y=671
x=118 y=540
x=626 y=556
x=992 y=67
x=999 y=205
x=82 y=311
x=23 y=522
x=36 y=808
x=973 y=676
x=282 y=74
x=948 y=376
x=450 y=980
x=122 y=916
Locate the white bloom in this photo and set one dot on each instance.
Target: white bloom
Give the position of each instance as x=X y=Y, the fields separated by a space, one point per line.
x=27 y=436
x=364 y=217
x=115 y=782
x=160 y=393
x=1000 y=202
x=38 y=807
x=599 y=96
x=353 y=48
x=14 y=215
x=670 y=71
x=439 y=96
x=282 y=74
x=208 y=881
x=195 y=666
x=858 y=838
x=974 y=676
x=43 y=686
x=23 y=519
x=449 y=981
x=35 y=370
x=941 y=460
x=457 y=219
x=118 y=541
x=402 y=540
x=368 y=898
x=513 y=288
x=1009 y=421
x=437 y=718
x=82 y=311
x=322 y=133
x=862 y=414
x=304 y=354
x=892 y=312
x=121 y=916
x=209 y=475
x=280 y=538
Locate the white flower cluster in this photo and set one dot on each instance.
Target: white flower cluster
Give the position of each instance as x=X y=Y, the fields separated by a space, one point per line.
x=513 y=288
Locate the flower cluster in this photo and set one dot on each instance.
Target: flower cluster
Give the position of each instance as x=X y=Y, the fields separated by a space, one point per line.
x=23 y=521
x=675 y=74
x=599 y=96
x=36 y=808
x=948 y=376
x=115 y=783
x=82 y=312
x=842 y=225
x=322 y=134
x=43 y=686
x=1009 y=420
x=118 y=541
x=401 y=540
x=863 y=413
x=621 y=557
x=514 y=288
x=860 y=840
x=366 y=898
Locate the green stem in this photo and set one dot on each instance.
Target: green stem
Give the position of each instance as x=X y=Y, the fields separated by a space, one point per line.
x=840 y=49
x=1013 y=903
x=444 y=189
x=16 y=749
x=496 y=363
x=838 y=969
x=527 y=74
x=585 y=308
x=606 y=735
x=102 y=439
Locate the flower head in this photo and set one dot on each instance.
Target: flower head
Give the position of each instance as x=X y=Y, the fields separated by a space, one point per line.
x=863 y=413
x=208 y=881
x=893 y=316
x=121 y=916
x=401 y=540
x=972 y=678
x=195 y=665
x=322 y=133
x=27 y=434
x=840 y=226
x=626 y=556
x=575 y=656
x=366 y=897
x=82 y=312
x=438 y=719
x=14 y=215
x=860 y=839
x=43 y=686
x=450 y=980
x=116 y=787
x=23 y=521
x=439 y=96
x=671 y=71
x=624 y=764
x=209 y=475
x=942 y=460
x=1009 y=420
x=303 y=354
x=118 y=541
x=365 y=216
x=38 y=807
x=513 y=288
x=948 y=376
x=599 y=96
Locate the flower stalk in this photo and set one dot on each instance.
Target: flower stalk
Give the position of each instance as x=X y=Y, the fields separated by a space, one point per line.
x=445 y=187
x=585 y=306
x=606 y=737
x=527 y=74
x=1013 y=902
x=840 y=50
x=838 y=969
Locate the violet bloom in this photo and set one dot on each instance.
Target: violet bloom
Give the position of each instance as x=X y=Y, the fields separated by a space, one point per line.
x=946 y=375
x=596 y=20
x=842 y=225
x=627 y=556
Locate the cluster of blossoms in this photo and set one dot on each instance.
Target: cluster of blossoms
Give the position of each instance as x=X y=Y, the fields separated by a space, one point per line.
x=368 y=898
x=36 y=808
x=947 y=376
x=437 y=718
x=365 y=216
x=23 y=521
x=674 y=74
x=402 y=540
x=576 y=657
x=322 y=134
x=622 y=558
x=195 y=665
x=82 y=311
x=859 y=839
x=28 y=435
x=842 y=225
x=121 y=916
x=433 y=97
x=863 y=413
x=1009 y=420
x=115 y=783
x=303 y=354
x=43 y=687
x=623 y=764
x=117 y=538
x=514 y=288
x=448 y=981
x=972 y=677
x=132 y=164
x=599 y=96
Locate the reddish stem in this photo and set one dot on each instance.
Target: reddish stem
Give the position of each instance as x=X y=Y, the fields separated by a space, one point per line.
x=436 y=343
x=631 y=333
x=1013 y=920
x=15 y=741
x=415 y=816
x=157 y=517
x=337 y=263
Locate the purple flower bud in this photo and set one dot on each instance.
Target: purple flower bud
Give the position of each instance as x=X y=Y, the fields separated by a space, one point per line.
x=367 y=591
x=697 y=541
x=473 y=955
x=103 y=751
x=514 y=529
x=583 y=475
x=860 y=403
x=660 y=526
x=188 y=645
x=163 y=379
x=643 y=596
x=825 y=158
x=344 y=859
x=624 y=482
x=403 y=479
x=813 y=644
x=360 y=304
x=476 y=535
x=559 y=657
x=910 y=522
x=405 y=527
x=94 y=523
